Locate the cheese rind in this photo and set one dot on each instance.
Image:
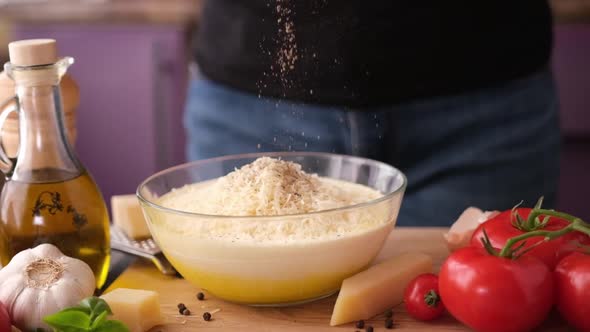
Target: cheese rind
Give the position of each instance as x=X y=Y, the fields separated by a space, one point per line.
x=378 y=288
x=127 y=215
x=138 y=309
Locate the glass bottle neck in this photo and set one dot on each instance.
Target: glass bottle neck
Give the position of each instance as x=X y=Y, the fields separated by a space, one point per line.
x=44 y=153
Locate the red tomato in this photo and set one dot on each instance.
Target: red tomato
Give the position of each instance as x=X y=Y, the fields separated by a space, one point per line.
x=422 y=298
x=500 y=229
x=572 y=278
x=5 y=325
x=494 y=294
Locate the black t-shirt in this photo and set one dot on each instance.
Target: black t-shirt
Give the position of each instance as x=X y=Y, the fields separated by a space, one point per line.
x=360 y=53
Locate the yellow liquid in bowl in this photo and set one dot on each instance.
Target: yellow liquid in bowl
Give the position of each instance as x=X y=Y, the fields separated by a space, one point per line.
x=277 y=274
x=263 y=291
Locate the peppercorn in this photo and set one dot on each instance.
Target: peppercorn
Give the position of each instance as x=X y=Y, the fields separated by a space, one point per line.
x=369 y=329
x=186 y=312
x=360 y=324
x=181 y=306
x=207 y=316
x=389 y=313
x=200 y=296
x=389 y=323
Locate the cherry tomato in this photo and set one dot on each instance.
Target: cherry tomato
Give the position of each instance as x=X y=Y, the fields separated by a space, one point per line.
x=5 y=325
x=495 y=294
x=500 y=228
x=572 y=278
x=422 y=299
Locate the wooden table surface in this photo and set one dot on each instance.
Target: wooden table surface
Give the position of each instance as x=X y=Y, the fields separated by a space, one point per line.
x=309 y=317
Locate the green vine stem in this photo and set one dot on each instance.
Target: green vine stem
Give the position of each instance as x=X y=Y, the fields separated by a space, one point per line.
x=576 y=224
x=538 y=212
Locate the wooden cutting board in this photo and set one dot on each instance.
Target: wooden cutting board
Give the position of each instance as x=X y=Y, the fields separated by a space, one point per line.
x=308 y=317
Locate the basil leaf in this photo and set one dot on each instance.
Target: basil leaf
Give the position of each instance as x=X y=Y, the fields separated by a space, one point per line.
x=111 y=326
x=96 y=306
x=99 y=319
x=68 y=321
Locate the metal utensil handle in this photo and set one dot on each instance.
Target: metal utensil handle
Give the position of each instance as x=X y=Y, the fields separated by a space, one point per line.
x=7 y=164
x=158 y=259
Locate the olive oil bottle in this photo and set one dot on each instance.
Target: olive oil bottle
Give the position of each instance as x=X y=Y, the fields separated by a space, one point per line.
x=48 y=196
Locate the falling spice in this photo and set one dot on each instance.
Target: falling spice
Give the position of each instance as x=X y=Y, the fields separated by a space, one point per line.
x=200 y=296
x=287 y=54
x=207 y=316
x=284 y=53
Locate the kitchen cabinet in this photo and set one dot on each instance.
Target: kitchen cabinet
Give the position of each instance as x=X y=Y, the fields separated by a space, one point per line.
x=131 y=67
x=132 y=82
x=571 y=66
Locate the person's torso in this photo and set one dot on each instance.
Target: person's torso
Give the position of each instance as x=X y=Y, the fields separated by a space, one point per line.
x=361 y=53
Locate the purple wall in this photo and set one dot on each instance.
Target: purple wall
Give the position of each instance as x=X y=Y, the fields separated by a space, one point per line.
x=132 y=81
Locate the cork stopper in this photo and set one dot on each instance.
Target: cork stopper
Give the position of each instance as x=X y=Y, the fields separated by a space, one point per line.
x=33 y=52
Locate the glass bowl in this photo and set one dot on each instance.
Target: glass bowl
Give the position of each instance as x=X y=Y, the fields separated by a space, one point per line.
x=274 y=260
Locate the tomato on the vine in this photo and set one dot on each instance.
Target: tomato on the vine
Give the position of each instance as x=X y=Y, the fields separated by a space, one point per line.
x=505 y=225
x=572 y=279
x=422 y=298
x=490 y=293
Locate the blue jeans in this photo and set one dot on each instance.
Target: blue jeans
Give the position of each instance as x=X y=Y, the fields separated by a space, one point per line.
x=490 y=148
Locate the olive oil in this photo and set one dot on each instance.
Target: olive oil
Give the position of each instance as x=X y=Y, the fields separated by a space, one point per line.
x=69 y=214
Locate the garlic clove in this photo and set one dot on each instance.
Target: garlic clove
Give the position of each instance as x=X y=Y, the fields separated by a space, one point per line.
x=47 y=250
x=84 y=284
x=460 y=233
x=10 y=288
x=17 y=263
x=25 y=312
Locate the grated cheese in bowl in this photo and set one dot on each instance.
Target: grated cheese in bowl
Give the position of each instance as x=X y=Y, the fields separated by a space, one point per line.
x=268 y=187
x=274 y=187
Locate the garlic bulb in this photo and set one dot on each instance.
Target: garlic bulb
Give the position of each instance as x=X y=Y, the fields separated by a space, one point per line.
x=42 y=281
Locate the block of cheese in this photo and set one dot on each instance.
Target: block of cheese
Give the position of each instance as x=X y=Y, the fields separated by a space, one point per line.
x=378 y=288
x=138 y=309
x=128 y=217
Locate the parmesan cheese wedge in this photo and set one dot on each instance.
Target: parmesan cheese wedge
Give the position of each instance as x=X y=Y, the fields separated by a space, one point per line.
x=138 y=309
x=127 y=215
x=379 y=288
